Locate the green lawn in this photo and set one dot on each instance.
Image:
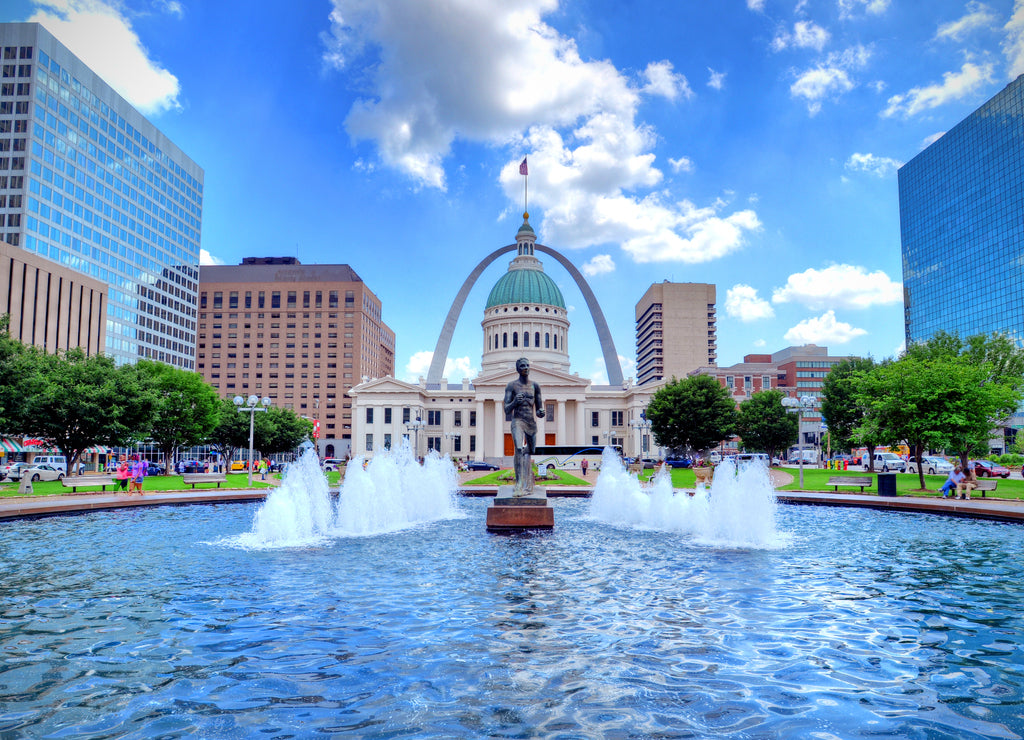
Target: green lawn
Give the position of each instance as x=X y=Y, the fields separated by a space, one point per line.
x=507 y=477
x=906 y=484
x=153 y=483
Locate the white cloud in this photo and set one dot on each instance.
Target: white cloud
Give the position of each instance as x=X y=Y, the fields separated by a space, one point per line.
x=805 y=35
x=839 y=286
x=978 y=16
x=929 y=140
x=716 y=80
x=822 y=330
x=435 y=79
x=829 y=79
x=880 y=166
x=455 y=368
x=756 y=5
x=955 y=86
x=598 y=374
x=662 y=80
x=171 y=7
x=683 y=164
x=1013 y=43
x=599 y=265
x=205 y=258
x=848 y=8
x=102 y=37
x=742 y=302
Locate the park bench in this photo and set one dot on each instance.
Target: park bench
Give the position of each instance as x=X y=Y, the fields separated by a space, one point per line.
x=74 y=481
x=849 y=480
x=985 y=484
x=190 y=479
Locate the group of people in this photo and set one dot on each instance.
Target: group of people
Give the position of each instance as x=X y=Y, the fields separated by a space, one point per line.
x=959 y=484
x=130 y=474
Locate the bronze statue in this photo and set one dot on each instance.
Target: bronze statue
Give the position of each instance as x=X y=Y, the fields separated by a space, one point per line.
x=522 y=401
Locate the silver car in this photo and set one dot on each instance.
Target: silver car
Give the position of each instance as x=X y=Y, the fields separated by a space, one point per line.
x=886 y=461
x=932 y=465
x=43 y=472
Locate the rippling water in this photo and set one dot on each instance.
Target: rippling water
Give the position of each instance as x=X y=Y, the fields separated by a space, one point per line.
x=137 y=624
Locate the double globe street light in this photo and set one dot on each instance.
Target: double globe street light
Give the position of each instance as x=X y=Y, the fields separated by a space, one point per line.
x=251 y=406
x=800 y=405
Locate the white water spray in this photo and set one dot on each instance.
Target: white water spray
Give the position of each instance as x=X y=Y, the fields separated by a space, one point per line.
x=739 y=509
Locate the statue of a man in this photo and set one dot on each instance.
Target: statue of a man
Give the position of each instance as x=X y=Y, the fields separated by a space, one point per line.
x=522 y=401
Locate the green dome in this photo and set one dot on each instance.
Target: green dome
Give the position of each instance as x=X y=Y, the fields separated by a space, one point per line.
x=525 y=286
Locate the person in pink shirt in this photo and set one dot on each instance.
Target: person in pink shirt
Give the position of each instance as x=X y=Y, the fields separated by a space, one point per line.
x=123 y=474
x=138 y=474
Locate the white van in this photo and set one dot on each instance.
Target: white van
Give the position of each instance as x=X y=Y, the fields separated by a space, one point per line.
x=57 y=461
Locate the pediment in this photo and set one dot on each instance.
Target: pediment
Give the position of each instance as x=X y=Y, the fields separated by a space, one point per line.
x=385 y=385
x=546 y=377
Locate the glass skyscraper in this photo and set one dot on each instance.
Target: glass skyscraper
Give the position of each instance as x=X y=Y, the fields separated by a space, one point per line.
x=962 y=225
x=87 y=181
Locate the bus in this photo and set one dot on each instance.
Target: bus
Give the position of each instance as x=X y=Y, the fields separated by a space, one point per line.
x=569 y=457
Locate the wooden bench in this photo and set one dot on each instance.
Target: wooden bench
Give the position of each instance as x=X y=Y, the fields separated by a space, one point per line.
x=190 y=479
x=984 y=484
x=74 y=481
x=849 y=480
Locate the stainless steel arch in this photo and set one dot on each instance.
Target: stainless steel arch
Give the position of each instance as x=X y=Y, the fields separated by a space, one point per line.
x=444 y=341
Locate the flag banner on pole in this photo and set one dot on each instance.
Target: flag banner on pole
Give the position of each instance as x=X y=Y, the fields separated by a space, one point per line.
x=522 y=168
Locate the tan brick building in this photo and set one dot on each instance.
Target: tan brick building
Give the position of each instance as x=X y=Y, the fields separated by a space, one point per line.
x=676 y=330
x=51 y=306
x=302 y=335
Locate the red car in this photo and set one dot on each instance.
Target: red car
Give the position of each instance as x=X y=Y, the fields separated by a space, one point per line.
x=989 y=469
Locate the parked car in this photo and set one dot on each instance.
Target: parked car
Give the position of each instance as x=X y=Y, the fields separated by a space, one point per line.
x=191 y=466
x=333 y=463
x=932 y=465
x=755 y=457
x=154 y=469
x=989 y=469
x=45 y=471
x=14 y=471
x=888 y=461
x=679 y=462
x=480 y=465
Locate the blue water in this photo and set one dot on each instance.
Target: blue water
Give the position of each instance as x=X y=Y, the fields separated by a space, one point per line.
x=138 y=624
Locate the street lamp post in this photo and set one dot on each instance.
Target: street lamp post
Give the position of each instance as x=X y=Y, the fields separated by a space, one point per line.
x=642 y=426
x=414 y=427
x=452 y=436
x=251 y=406
x=801 y=404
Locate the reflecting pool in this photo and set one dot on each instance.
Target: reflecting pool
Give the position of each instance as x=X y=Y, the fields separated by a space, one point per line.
x=155 y=622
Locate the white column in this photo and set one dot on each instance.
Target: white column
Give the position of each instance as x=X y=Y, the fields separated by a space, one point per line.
x=499 y=428
x=478 y=430
x=560 y=437
x=581 y=419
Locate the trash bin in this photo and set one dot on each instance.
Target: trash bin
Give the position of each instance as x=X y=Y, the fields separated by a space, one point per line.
x=887 y=484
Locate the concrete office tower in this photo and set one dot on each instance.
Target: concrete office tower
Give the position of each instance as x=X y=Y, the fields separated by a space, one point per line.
x=302 y=335
x=87 y=182
x=51 y=306
x=675 y=330
x=961 y=201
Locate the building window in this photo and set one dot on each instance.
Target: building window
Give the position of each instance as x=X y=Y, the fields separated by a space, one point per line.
x=369 y=415
x=406 y=416
x=458 y=419
x=594 y=441
x=456 y=444
x=730 y=382
x=387 y=415
x=275 y=299
x=472 y=443
x=504 y=339
x=526 y=339
x=434 y=417
x=617 y=418
x=472 y=418
x=369 y=443
x=387 y=441
x=766 y=382
x=515 y=339
x=595 y=419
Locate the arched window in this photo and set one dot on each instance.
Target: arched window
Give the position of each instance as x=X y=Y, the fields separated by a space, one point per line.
x=536 y=339
x=556 y=340
x=547 y=340
x=504 y=339
x=329 y=451
x=526 y=339
x=515 y=339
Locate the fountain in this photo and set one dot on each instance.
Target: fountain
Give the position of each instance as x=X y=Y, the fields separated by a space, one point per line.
x=647 y=613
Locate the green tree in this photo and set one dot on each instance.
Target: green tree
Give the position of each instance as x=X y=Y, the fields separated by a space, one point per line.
x=764 y=423
x=19 y=378
x=839 y=404
x=280 y=430
x=695 y=413
x=231 y=432
x=81 y=401
x=187 y=408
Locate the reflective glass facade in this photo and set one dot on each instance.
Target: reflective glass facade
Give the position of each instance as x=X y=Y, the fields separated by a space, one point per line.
x=87 y=181
x=962 y=225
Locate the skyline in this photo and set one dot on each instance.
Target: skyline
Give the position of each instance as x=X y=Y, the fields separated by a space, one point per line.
x=752 y=145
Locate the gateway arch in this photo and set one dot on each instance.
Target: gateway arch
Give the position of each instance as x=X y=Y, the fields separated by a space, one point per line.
x=611 y=358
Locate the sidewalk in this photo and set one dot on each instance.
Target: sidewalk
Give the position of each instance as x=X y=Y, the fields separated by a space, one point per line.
x=30 y=506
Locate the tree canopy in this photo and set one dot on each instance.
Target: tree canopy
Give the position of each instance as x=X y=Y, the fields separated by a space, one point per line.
x=695 y=413
x=839 y=405
x=187 y=408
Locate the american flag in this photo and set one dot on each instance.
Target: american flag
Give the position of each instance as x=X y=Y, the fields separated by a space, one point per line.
x=522 y=168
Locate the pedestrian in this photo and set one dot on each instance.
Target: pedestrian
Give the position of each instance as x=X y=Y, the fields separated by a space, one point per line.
x=123 y=474
x=969 y=481
x=263 y=469
x=583 y=466
x=955 y=476
x=138 y=473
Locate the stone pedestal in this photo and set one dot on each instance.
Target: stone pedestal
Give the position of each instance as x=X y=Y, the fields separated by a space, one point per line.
x=509 y=514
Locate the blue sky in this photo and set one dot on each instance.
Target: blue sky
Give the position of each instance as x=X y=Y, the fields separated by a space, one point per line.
x=752 y=144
